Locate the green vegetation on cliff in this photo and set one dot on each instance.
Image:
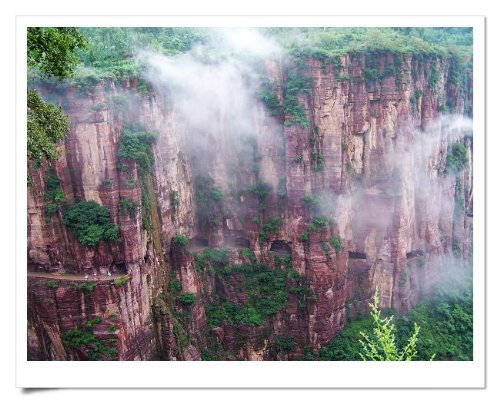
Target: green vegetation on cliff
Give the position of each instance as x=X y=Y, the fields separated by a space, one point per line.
x=180 y=240
x=110 y=51
x=445 y=321
x=294 y=86
x=135 y=145
x=266 y=294
x=382 y=345
x=336 y=243
x=247 y=297
x=456 y=159
x=52 y=52
x=83 y=339
x=128 y=207
x=121 y=280
x=53 y=195
x=46 y=126
x=90 y=223
x=334 y=42
x=209 y=202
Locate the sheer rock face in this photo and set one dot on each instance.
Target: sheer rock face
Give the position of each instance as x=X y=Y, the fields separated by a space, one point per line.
x=89 y=169
x=383 y=147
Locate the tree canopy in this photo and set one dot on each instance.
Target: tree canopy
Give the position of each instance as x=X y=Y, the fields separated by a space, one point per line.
x=52 y=52
x=46 y=126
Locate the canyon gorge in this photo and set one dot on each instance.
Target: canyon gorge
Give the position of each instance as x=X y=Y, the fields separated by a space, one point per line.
x=252 y=206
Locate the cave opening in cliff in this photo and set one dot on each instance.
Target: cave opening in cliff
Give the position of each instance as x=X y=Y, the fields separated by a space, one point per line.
x=357 y=255
x=281 y=247
x=414 y=253
x=119 y=267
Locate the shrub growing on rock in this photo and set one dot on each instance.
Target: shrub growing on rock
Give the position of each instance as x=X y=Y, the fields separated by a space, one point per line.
x=457 y=159
x=336 y=243
x=187 y=298
x=121 y=280
x=90 y=223
x=127 y=206
x=180 y=240
x=135 y=145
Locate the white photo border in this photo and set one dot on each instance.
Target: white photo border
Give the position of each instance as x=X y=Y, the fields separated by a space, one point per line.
x=290 y=374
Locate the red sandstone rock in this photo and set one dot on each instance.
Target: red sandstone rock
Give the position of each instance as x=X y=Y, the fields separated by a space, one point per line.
x=386 y=199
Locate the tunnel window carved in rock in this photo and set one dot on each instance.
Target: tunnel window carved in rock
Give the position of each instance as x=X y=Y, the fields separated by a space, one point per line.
x=281 y=248
x=414 y=253
x=357 y=255
x=119 y=267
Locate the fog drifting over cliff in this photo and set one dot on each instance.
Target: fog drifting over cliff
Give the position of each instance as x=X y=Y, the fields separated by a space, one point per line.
x=218 y=102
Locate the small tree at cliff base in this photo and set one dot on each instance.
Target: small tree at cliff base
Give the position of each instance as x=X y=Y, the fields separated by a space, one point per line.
x=382 y=346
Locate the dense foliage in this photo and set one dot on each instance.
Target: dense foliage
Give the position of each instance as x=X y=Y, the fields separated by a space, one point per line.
x=445 y=322
x=53 y=195
x=53 y=53
x=209 y=202
x=46 y=126
x=127 y=206
x=333 y=42
x=84 y=339
x=135 y=145
x=111 y=49
x=294 y=111
x=187 y=298
x=110 y=52
x=211 y=258
x=266 y=290
x=336 y=243
x=456 y=159
x=180 y=240
x=381 y=346
x=90 y=223
x=250 y=295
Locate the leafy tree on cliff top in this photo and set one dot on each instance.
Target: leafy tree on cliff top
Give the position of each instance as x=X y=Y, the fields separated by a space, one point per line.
x=52 y=52
x=382 y=346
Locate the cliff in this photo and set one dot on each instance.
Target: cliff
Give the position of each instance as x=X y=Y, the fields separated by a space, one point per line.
x=252 y=245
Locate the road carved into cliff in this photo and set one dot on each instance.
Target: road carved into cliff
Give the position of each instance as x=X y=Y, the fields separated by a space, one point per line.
x=75 y=277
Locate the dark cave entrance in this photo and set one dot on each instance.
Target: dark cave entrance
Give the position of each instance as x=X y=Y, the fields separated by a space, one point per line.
x=281 y=248
x=414 y=253
x=357 y=255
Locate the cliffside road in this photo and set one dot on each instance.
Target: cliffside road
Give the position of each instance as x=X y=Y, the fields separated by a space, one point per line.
x=74 y=277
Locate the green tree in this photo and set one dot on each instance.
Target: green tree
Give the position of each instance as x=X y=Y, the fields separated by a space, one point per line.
x=53 y=52
x=46 y=126
x=382 y=346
